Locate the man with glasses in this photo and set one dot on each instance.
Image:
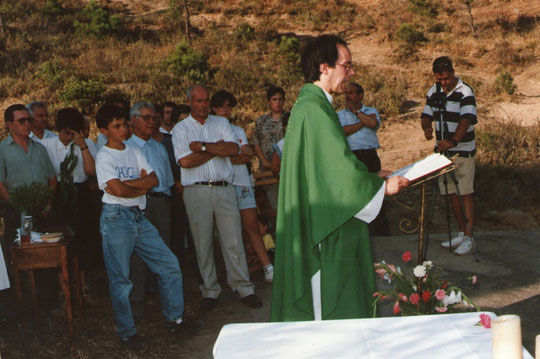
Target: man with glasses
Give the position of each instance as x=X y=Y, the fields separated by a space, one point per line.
x=40 y=121
x=158 y=199
x=323 y=266
x=22 y=161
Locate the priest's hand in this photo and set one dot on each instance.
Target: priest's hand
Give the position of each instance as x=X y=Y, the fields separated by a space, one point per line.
x=395 y=184
x=384 y=173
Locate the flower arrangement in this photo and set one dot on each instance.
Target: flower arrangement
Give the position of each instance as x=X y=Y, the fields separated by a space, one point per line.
x=423 y=292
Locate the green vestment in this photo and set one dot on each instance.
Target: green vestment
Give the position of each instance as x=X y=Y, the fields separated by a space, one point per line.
x=322 y=187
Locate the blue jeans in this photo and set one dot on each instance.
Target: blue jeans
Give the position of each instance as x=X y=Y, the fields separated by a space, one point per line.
x=125 y=230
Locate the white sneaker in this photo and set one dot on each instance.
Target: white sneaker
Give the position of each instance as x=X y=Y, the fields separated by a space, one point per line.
x=456 y=241
x=465 y=248
x=269 y=274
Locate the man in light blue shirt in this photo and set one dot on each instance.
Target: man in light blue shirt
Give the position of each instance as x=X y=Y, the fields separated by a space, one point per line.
x=158 y=199
x=360 y=124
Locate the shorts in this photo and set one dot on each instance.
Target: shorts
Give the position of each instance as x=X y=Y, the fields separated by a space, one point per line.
x=246 y=197
x=464 y=174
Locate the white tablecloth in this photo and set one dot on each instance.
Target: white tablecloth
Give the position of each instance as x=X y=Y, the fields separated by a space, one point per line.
x=431 y=336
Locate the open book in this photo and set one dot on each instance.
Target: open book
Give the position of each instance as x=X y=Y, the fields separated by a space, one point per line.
x=424 y=167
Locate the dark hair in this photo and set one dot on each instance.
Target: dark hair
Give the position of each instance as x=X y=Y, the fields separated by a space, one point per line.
x=218 y=99
x=273 y=90
x=319 y=50
x=184 y=108
x=285 y=119
x=168 y=104
x=8 y=113
x=359 y=88
x=116 y=96
x=109 y=112
x=158 y=109
x=70 y=118
x=442 y=64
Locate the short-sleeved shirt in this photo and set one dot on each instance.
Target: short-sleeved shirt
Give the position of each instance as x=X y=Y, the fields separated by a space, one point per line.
x=46 y=134
x=366 y=137
x=18 y=167
x=124 y=165
x=156 y=153
x=241 y=174
x=267 y=132
x=460 y=104
x=278 y=148
x=101 y=141
x=58 y=152
x=215 y=129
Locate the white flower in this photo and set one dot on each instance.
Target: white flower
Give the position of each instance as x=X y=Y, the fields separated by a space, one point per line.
x=399 y=270
x=419 y=271
x=387 y=277
x=414 y=288
x=453 y=298
x=427 y=263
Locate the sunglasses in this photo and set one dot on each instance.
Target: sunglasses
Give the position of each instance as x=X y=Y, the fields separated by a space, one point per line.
x=21 y=121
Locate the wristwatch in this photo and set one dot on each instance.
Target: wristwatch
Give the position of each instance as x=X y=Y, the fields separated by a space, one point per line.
x=203 y=147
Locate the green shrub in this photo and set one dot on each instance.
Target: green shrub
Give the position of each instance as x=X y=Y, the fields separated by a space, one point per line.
x=188 y=63
x=504 y=82
x=53 y=8
x=85 y=94
x=52 y=72
x=423 y=8
x=245 y=32
x=410 y=35
x=289 y=47
x=97 y=22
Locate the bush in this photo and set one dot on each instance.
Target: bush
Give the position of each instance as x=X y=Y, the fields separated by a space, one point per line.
x=245 y=32
x=98 y=22
x=423 y=8
x=505 y=82
x=410 y=35
x=289 y=47
x=188 y=63
x=85 y=94
x=52 y=72
x=53 y=8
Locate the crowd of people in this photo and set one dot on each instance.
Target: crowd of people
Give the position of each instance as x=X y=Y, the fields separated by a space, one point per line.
x=163 y=177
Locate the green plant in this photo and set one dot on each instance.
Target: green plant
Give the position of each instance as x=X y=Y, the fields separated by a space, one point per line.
x=188 y=63
x=52 y=72
x=97 y=22
x=289 y=47
x=505 y=82
x=410 y=35
x=423 y=8
x=30 y=199
x=53 y=8
x=83 y=93
x=245 y=32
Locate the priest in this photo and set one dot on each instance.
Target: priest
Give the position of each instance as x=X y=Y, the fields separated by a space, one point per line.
x=323 y=265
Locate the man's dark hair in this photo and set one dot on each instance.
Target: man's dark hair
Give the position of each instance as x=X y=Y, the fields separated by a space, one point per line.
x=69 y=118
x=109 y=112
x=218 y=99
x=285 y=119
x=168 y=104
x=442 y=64
x=158 y=109
x=359 y=88
x=184 y=108
x=273 y=90
x=319 y=50
x=8 y=113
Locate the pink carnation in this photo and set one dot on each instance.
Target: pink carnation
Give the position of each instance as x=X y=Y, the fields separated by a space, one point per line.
x=406 y=257
x=440 y=294
x=396 y=308
x=485 y=320
x=414 y=298
x=441 y=309
x=474 y=279
x=403 y=297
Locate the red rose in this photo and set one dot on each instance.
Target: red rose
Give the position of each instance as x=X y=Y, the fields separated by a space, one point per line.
x=414 y=298
x=444 y=284
x=406 y=257
x=396 y=308
x=426 y=295
x=403 y=297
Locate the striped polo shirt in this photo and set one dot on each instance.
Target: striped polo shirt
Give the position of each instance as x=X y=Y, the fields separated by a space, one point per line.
x=460 y=105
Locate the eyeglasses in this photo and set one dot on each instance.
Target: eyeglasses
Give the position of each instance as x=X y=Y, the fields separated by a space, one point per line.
x=21 y=121
x=347 y=67
x=146 y=118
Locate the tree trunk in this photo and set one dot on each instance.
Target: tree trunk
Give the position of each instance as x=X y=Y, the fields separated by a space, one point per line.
x=468 y=3
x=187 y=23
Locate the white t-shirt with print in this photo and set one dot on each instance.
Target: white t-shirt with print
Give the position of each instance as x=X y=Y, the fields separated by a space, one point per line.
x=124 y=165
x=241 y=174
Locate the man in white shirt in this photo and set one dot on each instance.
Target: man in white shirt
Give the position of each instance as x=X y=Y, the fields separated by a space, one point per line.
x=40 y=121
x=202 y=145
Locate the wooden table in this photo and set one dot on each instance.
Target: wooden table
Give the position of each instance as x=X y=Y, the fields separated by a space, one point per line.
x=49 y=255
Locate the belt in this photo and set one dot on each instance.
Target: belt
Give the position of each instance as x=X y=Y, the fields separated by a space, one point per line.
x=366 y=150
x=156 y=194
x=212 y=183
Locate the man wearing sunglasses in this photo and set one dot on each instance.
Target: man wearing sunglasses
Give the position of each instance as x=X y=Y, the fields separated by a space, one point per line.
x=22 y=161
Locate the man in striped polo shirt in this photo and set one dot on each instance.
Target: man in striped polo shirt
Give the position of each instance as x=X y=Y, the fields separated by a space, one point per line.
x=454 y=101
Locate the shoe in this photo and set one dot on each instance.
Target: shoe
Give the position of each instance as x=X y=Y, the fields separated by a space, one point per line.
x=187 y=327
x=465 y=248
x=269 y=273
x=134 y=342
x=208 y=303
x=456 y=241
x=252 y=301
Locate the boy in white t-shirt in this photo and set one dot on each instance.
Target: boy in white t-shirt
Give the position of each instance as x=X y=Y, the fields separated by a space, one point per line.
x=126 y=176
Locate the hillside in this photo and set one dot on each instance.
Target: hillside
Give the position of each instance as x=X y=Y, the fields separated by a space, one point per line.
x=75 y=53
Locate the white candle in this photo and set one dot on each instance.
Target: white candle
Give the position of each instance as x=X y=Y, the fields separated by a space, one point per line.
x=537 y=353
x=506 y=331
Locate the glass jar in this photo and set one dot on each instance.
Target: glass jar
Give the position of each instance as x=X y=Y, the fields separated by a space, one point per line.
x=26 y=229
